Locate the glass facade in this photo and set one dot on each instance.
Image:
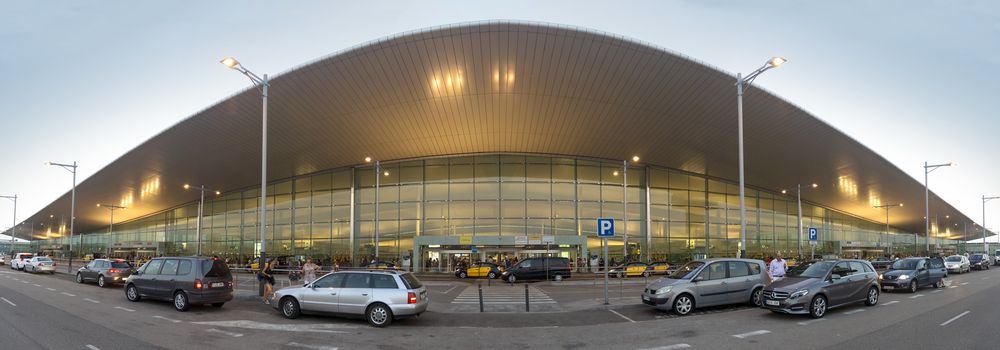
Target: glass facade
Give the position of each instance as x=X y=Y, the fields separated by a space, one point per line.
x=672 y=215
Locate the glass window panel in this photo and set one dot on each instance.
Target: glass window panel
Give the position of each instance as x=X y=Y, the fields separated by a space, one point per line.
x=342 y=179
x=282 y=216
x=589 y=210
x=436 y=192
x=284 y=187
x=411 y=174
x=436 y=173
x=539 y=209
x=462 y=209
x=588 y=173
x=461 y=173
x=319 y=230
x=611 y=193
x=302 y=215
x=388 y=194
x=489 y=172
x=564 y=226
x=659 y=212
x=409 y=210
x=564 y=210
x=515 y=190
x=513 y=209
x=388 y=211
x=539 y=172
x=563 y=191
x=487 y=191
x=588 y=192
x=283 y=231
x=512 y=227
x=488 y=209
x=539 y=191
x=697 y=198
x=563 y=172
x=365 y=195
x=322 y=198
x=436 y=210
x=321 y=182
x=342 y=197
x=460 y=191
x=341 y=213
x=410 y=193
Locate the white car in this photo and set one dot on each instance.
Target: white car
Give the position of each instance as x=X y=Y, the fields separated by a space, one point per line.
x=40 y=264
x=3 y=259
x=18 y=261
x=958 y=264
x=996 y=258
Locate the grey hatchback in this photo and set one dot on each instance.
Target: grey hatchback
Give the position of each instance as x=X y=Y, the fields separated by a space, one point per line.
x=814 y=287
x=381 y=296
x=709 y=282
x=184 y=280
x=105 y=272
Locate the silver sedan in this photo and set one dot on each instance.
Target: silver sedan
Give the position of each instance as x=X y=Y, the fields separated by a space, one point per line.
x=379 y=296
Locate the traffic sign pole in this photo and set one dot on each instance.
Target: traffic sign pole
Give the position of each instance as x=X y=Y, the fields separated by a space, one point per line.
x=605 y=229
x=605 y=271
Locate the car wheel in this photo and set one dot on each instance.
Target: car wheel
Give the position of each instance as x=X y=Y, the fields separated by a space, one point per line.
x=755 y=297
x=683 y=305
x=872 y=297
x=817 y=308
x=218 y=305
x=939 y=284
x=492 y=275
x=101 y=282
x=557 y=278
x=462 y=274
x=132 y=293
x=512 y=279
x=645 y=274
x=181 y=301
x=620 y=275
x=290 y=308
x=379 y=315
x=913 y=287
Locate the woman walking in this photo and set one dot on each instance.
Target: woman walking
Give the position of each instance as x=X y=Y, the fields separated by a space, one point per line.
x=267 y=277
x=309 y=271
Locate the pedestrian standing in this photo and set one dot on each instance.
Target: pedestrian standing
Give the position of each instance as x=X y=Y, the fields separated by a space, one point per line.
x=309 y=271
x=777 y=267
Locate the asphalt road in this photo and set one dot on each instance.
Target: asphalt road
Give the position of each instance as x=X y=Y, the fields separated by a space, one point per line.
x=53 y=312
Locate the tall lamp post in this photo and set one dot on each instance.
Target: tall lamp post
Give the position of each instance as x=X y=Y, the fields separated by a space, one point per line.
x=13 y=229
x=635 y=159
x=887 y=207
x=742 y=84
x=378 y=170
x=927 y=203
x=201 y=211
x=72 y=207
x=111 y=225
x=798 y=194
x=262 y=83
x=986 y=246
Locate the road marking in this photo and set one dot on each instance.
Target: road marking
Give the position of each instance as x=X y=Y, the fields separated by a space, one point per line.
x=315 y=347
x=51 y=289
x=291 y=327
x=986 y=278
x=937 y=291
x=25 y=282
x=231 y=334
x=955 y=318
x=8 y=301
x=167 y=319
x=806 y=323
x=854 y=311
x=92 y=300
x=622 y=316
x=449 y=289
x=68 y=294
x=91 y=347
x=124 y=308
x=750 y=334
x=953 y=287
x=669 y=347
x=890 y=303
x=36 y=284
x=964 y=283
x=916 y=296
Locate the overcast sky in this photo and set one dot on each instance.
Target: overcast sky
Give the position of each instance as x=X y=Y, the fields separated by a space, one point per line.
x=912 y=80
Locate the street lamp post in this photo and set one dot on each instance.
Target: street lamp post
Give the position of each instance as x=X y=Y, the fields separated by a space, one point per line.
x=742 y=84
x=927 y=203
x=111 y=225
x=201 y=211
x=378 y=170
x=13 y=229
x=262 y=83
x=887 y=207
x=798 y=194
x=986 y=246
x=72 y=208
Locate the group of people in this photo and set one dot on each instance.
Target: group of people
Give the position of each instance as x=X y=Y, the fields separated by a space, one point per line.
x=266 y=275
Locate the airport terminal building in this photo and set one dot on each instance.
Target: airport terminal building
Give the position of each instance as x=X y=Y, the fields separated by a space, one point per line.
x=499 y=139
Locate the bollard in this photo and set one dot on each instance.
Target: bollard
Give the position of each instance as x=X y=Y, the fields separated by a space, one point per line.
x=480 y=298
x=527 y=305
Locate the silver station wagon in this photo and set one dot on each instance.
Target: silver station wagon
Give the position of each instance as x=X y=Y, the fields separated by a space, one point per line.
x=708 y=282
x=379 y=296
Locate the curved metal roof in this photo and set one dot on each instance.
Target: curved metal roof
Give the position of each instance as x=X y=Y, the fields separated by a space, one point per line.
x=503 y=87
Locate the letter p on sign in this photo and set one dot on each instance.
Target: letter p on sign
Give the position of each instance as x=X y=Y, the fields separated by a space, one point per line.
x=606 y=227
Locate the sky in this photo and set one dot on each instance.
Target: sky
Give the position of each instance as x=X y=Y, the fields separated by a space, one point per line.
x=914 y=81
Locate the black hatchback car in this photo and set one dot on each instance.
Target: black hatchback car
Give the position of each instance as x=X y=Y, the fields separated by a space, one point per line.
x=184 y=280
x=538 y=269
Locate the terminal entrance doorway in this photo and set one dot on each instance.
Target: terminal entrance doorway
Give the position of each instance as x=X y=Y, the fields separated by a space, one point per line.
x=449 y=258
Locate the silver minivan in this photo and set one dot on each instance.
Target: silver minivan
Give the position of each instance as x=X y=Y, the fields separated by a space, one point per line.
x=709 y=282
x=379 y=296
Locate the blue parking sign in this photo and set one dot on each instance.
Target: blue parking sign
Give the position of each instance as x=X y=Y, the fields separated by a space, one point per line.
x=813 y=234
x=606 y=227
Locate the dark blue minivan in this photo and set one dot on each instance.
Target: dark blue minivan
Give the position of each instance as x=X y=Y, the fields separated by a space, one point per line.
x=912 y=273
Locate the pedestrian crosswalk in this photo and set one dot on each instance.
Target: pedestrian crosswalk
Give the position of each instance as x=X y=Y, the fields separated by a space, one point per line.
x=502 y=295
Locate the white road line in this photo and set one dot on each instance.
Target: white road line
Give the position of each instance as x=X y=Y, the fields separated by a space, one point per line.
x=231 y=334
x=92 y=300
x=167 y=319
x=806 y=323
x=916 y=296
x=964 y=283
x=955 y=318
x=314 y=347
x=91 y=347
x=8 y=301
x=986 y=278
x=854 y=311
x=51 y=289
x=68 y=294
x=750 y=334
x=622 y=316
x=450 y=289
x=669 y=347
x=937 y=291
x=890 y=303
x=25 y=282
x=36 y=284
x=124 y=308
x=953 y=287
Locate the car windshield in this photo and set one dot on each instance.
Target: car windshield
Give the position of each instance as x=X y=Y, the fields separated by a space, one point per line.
x=44 y=259
x=976 y=257
x=687 y=271
x=816 y=269
x=121 y=264
x=954 y=258
x=906 y=264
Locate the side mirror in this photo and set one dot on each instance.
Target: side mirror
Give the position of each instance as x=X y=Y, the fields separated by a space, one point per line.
x=698 y=279
x=137 y=273
x=834 y=277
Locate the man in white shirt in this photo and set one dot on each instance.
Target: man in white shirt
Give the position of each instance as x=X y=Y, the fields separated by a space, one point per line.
x=778 y=267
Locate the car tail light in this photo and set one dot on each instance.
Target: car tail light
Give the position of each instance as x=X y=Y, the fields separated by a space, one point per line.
x=113 y=271
x=411 y=298
x=197 y=284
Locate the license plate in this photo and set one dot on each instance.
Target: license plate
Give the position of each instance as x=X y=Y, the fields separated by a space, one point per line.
x=217 y=284
x=889 y=287
x=646 y=298
x=771 y=302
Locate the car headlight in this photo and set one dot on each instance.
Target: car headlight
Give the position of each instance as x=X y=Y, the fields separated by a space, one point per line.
x=880 y=277
x=904 y=277
x=798 y=294
x=664 y=290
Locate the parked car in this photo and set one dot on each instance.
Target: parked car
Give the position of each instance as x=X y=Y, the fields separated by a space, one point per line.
x=18 y=260
x=632 y=269
x=184 y=280
x=912 y=273
x=3 y=259
x=958 y=264
x=479 y=269
x=702 y=283
x=538 y=269
x=105 y=272
x=815 y=287
x=881 y=263
x=996 y=257
x=659 y=268
x=979 y=261
x=380 y=296
x=40 y=264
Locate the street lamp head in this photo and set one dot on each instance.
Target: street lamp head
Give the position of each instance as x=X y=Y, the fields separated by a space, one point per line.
x=901 y=204
x=385 y=173
x=186 y=186
x=218 y=193
x=635 y=158
x=776 y=61
x=48 y=163
x=815 y=185
x=368 y=159
x=98 y=205
x=614 y=173
x=784 y=191
x=953 y=164
x=230 y=62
